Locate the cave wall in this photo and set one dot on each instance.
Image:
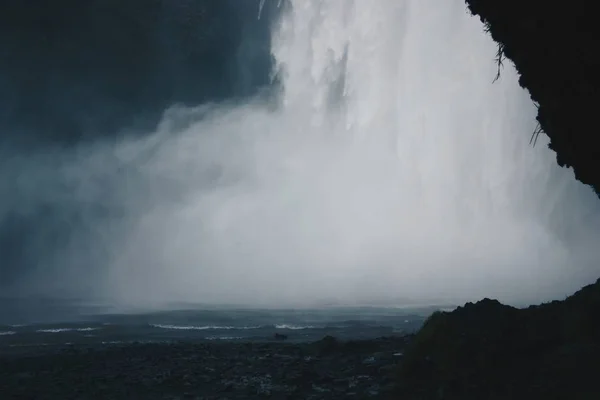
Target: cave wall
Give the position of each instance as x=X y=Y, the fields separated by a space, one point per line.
x=554 y=48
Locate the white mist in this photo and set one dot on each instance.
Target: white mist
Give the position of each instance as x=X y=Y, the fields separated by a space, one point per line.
x=392 y=168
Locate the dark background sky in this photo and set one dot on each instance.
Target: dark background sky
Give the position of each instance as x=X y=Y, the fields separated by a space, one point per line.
x=75 y=71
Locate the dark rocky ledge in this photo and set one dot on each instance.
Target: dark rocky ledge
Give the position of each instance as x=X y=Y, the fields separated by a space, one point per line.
x=554 y=48
x=488 y=350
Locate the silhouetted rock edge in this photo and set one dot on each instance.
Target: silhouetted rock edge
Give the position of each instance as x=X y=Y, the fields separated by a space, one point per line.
x=490 y=350
x=553 y=47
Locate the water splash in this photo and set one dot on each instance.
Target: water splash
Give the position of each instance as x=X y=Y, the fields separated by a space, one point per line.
x=391 y=167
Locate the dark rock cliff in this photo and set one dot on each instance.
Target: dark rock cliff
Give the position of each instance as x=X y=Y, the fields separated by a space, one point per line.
x=554 y=48
x=488 y=350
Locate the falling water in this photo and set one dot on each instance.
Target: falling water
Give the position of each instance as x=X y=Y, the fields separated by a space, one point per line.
x=391 y=167
x=421 y=169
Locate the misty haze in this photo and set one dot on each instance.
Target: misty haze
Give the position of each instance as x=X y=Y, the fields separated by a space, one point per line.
x=327 y=153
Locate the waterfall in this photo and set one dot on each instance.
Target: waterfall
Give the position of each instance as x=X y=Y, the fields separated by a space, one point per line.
x=388 y=166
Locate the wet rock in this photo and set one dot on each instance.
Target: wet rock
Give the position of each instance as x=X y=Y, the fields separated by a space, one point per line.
x=369 y=360
x=328 y=369
x=327 y=345
x=485 y=348
x=553 y=49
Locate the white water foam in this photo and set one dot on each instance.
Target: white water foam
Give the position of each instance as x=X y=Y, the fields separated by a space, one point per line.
x=202 y=328
x=7 y=333
x=293 y=327
x=61 y=330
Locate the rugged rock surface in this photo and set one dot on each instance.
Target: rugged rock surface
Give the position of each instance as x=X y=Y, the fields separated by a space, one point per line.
x=554 y=48
x=327 y=369
x=488 y=350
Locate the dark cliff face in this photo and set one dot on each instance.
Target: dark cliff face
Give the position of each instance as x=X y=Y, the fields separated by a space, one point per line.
x=553 y=47
x=488 y=350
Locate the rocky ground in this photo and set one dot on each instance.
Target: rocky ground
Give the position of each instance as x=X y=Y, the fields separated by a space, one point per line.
x=479 y=351
x=327 y=369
